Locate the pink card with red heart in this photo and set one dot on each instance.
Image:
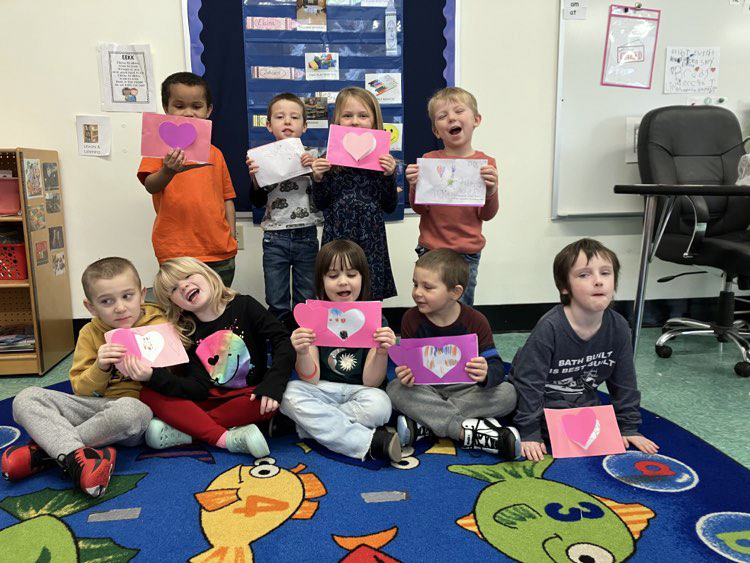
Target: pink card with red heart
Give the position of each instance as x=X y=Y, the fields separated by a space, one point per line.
x=356 y=147
x=156 y=345
x=347 y=325
x=160 y=133
x=436 y=361
x=584 y=432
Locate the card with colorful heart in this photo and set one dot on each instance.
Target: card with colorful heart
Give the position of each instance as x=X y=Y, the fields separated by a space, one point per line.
x=157 y=345
x=356 y=147
x=346 y=325
x=584 y=432
x=160 y=133
x=436 y=361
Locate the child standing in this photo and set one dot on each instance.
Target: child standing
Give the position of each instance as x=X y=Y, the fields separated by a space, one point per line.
x=353 y=199
x=76 y=430
x=454 y=116
x=337 y=400
x=582 y=332
x=290 y=235
x=463 y=412
x=193 y=202
x=227 y=385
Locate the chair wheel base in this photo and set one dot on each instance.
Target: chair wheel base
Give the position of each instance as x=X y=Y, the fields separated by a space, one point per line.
x=742 y=369
x=666 y=351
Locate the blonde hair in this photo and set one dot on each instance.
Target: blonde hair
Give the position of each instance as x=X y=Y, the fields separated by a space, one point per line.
x=452 y=94
x=170 y=274
x=368 y=100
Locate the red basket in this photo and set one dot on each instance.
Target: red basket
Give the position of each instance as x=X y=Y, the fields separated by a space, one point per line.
x=13 y=262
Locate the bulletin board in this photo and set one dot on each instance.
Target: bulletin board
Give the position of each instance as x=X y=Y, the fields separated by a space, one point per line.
x=591 y=134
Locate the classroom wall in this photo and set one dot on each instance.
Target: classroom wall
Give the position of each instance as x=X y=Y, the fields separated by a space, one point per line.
x=508 y=57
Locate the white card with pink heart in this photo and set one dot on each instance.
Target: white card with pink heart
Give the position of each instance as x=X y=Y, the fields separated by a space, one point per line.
x=156 y=345
x=356 y=147
x=438 y=360
x=450 y=181
x=345 y=325
x=160 y=133
x=584 y=432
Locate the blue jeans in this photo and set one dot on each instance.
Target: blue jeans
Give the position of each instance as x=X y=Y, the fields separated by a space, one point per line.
x=467 y=298
x=285 y=250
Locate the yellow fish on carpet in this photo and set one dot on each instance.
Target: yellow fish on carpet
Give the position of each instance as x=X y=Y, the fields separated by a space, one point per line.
x=247 y=502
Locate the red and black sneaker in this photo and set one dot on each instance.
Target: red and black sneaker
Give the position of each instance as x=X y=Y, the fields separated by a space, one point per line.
x=19 y=462
x=90 y=468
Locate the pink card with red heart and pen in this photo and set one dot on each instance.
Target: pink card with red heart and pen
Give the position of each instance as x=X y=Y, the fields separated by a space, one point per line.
x=347 y=325
x=160 y=133
x=438 y=360
x=583 y=432
x=356 y=147
x=156 y=345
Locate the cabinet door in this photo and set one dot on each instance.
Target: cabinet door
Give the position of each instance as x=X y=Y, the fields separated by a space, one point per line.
x=47 y=249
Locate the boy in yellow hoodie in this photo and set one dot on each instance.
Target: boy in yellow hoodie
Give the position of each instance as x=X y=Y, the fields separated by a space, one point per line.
x=76 y=430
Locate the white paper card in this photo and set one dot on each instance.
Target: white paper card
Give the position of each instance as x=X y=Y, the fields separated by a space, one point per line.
x=126 y=76
x=279 y=161
x=445 y=181
x=94 y=134
x=691 y=69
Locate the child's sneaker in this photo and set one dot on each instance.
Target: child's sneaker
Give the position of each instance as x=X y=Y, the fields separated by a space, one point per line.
x=19 y=462
x=89 y=468
x=409 y=430
x=160 y=435
x=385 y=445
x=247 y=440
x=488 y=435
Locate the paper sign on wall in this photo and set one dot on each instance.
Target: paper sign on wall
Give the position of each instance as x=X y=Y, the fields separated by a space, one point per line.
x=156 y=345
x=160 y=133
x=279 y=161
x=691 y=69
x=347 y=325
x=444 y=181
x=357 y=147
x=583 y=432
x=436 y=361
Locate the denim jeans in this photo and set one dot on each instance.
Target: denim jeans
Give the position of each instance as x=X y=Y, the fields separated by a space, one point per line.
x=284 y=251
x=473 y=261
x=340 y=416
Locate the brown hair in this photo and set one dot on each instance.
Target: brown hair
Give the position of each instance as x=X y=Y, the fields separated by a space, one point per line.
x=341 y=253
x=567 y=257
x=367 y=98
x=455 y=95
x=448 y=264
x=288 y=96
x=106 y=269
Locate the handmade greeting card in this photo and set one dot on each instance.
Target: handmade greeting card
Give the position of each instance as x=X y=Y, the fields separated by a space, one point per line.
x=163 y=132
x=436 y=361
x=584 y=432
x=444 y=181
x=157 y=345
x=357 y=147
x=278 y=161
x=348 y=325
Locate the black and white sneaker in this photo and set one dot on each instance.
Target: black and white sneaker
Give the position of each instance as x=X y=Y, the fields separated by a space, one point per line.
x=385 y=445
x=488 y=435
x=409 y=430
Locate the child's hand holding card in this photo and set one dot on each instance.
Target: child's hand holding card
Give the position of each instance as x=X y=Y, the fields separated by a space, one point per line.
x=348 y=325
x=156 y=345
x=160 y=133
x=436 y=361
x=278 y=161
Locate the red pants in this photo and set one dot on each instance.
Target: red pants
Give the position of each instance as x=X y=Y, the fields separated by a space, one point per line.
x=207 y=420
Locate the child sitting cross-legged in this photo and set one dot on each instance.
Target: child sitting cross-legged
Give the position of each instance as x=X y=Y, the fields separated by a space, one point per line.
x=464 y=412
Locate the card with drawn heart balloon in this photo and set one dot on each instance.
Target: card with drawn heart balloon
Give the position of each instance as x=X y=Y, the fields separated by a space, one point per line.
x=356 y=147
x=157 y=345
x=436 y=361
x=160 y=133
x=346 y=325
x=584 y=432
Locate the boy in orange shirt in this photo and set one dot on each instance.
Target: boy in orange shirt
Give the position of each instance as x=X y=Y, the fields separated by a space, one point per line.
x=193 y=202
x=454 y=116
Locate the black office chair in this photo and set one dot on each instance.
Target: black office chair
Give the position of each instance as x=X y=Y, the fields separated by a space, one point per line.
x=700 y=145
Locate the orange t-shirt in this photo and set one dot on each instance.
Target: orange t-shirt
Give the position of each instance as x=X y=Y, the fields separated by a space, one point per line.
x=190 y=214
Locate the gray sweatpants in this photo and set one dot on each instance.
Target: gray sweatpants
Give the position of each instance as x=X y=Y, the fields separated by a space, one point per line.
x=442 y=408
x=61 y=423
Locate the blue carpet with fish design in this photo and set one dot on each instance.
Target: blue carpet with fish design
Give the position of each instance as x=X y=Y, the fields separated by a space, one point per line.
x=440 y=504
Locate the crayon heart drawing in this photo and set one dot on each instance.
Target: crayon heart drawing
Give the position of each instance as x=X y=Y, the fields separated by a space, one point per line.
x=178 y=136
x=156 y=345
x=345 y=324
x=150 y=344
x=582 y=428
x=440 y=360
x=359 y=146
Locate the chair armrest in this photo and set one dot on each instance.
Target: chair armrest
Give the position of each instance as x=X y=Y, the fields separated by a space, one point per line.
x=700 y=217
